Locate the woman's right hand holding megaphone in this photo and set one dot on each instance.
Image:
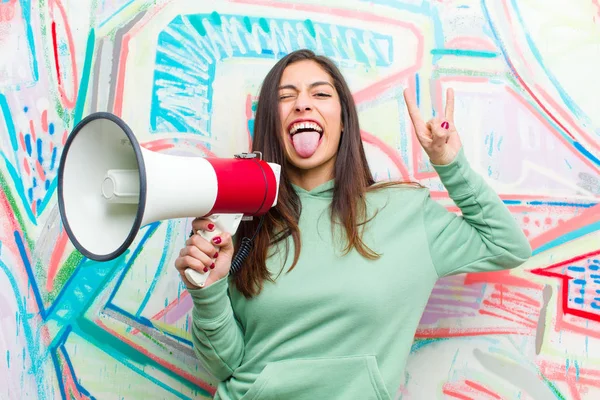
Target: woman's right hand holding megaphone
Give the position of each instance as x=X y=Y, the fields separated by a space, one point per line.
x=203 y=256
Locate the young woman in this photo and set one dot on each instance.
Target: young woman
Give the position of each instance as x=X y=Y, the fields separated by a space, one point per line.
x=328 y=301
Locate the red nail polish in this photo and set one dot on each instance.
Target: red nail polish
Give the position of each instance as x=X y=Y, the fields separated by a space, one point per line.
x=205 y=269
x=216 y=255
x=212 y=266
x=217 y=240
x=445 y=125
x=211 y=227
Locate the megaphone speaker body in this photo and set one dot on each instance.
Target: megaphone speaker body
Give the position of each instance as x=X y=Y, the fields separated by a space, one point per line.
x=109 y=187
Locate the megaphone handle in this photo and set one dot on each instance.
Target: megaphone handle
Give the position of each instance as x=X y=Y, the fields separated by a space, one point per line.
x=196 y=277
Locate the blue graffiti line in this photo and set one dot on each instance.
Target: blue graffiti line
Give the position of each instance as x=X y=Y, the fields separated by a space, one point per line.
x=59 y=371
x=97 y=337
x=26 y=15
x=117 y=12
x=30 y=275
x=18 y=182
x=83 y=287
x=104 y=341
x=424 y=8
x=86 y=282
x=538 y=56
x=147 y=323
x=500 y=43
x=33 y=341
x=159 y=270
x=85 y=77
x=80 y=291
x=15 y=173
x=575 y=234
x=465 y=53
x=10 y=125
x=551 y=203
x=190 y=47
x=151 y=229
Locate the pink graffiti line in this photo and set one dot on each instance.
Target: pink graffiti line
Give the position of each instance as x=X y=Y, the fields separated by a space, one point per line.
x=388 y=151
x=468 y=390
x=249 y=116
x=592 y=319
x=471 y=43
x=68 y=102
x=175 y=310
x=175 y=369
x=578 y=379
x=550 y=128
x=68 y=380
x=584 y=218
x=166 y=144
x=7 y=11
x=122 y=68
x=54 y=265
x=346 y=13
x=511 y=306
x=536 y=99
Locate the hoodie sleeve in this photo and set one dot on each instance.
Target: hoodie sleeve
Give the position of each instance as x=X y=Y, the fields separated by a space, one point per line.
x=485 y=238
x=217 y=336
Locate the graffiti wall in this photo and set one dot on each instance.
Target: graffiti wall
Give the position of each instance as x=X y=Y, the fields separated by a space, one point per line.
x=184 y=74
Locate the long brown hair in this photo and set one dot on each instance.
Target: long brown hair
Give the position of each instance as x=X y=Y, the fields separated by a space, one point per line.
x=352 y=178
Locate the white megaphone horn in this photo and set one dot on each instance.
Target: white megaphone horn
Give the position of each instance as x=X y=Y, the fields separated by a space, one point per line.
x=109 y=187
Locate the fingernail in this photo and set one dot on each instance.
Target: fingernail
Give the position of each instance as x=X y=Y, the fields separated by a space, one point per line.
x=205 y=269
x=445 y=125
x=212 y=266
x=211 y=227
x=216 y=255
x=217 y=240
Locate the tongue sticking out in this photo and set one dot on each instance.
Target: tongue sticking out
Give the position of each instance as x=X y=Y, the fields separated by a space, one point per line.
x=306 y=143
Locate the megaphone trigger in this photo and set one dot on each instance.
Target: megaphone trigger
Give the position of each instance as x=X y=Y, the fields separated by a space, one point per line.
x=223 y=223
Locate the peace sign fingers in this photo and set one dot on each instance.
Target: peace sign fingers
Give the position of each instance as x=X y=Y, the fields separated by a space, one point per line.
x=449 y=112
x=415 y=116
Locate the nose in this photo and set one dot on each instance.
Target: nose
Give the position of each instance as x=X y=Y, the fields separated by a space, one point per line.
x=303 y=103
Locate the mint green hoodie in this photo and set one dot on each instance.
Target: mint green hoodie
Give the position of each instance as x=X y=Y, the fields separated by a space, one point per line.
x=341 y=327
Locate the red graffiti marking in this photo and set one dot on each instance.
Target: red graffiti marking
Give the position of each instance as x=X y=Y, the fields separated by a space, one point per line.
x=67 y=100
x=580 y=311
x=7 y=10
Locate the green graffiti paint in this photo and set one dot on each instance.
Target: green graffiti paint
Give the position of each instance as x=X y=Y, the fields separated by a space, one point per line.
x=198 y=23
x=247 y=24
x=85 y=76
x=554 y=389
x=156 y=342
x=215 y=18
x=310 y=28
x=121 y=350
x=264 y=25
x=64 y=273
x=14 y=208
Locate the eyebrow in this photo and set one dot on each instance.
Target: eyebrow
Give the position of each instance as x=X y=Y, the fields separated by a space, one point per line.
x=312 y=85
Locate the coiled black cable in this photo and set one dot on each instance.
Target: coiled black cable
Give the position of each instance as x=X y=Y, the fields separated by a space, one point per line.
x=244 y=250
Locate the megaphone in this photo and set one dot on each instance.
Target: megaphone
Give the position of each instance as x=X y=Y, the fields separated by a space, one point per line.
x=109 y=187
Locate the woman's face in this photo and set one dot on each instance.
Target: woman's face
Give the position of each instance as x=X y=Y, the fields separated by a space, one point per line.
x=310 y=113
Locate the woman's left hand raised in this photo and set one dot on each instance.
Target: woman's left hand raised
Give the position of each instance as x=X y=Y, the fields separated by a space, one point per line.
x=438 y=136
